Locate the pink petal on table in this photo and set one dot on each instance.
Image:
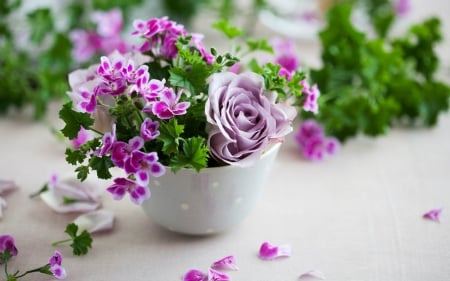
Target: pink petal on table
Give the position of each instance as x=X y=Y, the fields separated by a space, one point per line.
x=94 y=221
x=195 y=275
x=312 y=274
x=71 y=195
x=7 y=185
x=228 y=262
x=268 y=251
x=214 y=275
x=434 y=215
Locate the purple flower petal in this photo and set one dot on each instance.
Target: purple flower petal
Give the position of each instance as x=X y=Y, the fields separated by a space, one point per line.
x=268 y=251
x=434 y=215
x=228 y=262
x=195 y=275
x=312 y=274
x=214 y=275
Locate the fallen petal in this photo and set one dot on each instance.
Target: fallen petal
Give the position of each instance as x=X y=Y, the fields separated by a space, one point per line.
x=7 y=185
x=214 y=275
x=94 y=221
x=269 y=252
x=225 y=263
x=434 y=215
x=3 y=205
x=195 y=275
x=71 y=195
x=312 y=274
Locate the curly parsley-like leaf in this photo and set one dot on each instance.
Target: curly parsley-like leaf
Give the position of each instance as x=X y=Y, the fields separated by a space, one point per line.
x=80 y=242
x=194 y=155
x=170 y=135
x=74 y=120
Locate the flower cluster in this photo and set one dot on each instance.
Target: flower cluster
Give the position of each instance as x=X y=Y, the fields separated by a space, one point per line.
x=171 y=103
x=105 y=39
x=8 y=250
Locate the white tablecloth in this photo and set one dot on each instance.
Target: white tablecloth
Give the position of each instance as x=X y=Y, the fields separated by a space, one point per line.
x=356 y=216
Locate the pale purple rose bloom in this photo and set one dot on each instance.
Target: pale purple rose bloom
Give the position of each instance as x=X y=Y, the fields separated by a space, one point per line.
x=243 y=118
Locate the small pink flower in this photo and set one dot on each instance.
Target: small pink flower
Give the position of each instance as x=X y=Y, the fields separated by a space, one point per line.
x=312 y=141
x=268 y=251
x=83 y=137
x=149 y=129
x=434 y=215
x=228 y=262
x=55 y=266
x=109 y=23
x=85 y=44
x=7 y=243
x=121 y=186
x=169 y=104
x=312 y=95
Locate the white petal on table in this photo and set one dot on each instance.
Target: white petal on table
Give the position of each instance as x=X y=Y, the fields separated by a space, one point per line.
x=99 y=220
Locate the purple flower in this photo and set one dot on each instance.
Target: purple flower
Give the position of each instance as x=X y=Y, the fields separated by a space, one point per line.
x=285 y=56
x=434 y=215
x=7 y=244
x=55 y=266
x=402 y=7
x=121 y=186
x=83 y=137
x=109 y=23
x=312 y=96
x=313 y=143
x=168 y=104
x=242 y=118
x=86 y=44
x=121 y=151
x=149 y=129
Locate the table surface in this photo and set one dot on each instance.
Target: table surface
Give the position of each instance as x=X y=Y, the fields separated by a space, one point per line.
x=355 y=216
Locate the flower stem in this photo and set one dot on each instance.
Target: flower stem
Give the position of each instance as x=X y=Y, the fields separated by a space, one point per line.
x=95 y=130
x=61 y=241
x=29 y=271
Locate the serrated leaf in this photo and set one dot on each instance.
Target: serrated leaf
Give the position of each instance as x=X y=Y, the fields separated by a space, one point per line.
x=74 y=120
x=170 y=135
x=227 y=29
x=74 y=156
x=194 y=155
x=82 y=172
x=101 y=165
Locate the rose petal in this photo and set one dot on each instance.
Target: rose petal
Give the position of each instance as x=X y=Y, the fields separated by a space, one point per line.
x=312 y=274
x=434 y=215
x=99 y=220
x=195 y=275
x=228 y=262
x=269 y=252
x=7 y=185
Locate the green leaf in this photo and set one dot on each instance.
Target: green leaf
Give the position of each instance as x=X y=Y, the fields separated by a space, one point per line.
x=82 y=172
x=194 y=155
x=74 y=156
x=227 y=29
x=259 y=45
x=74 y=120
x=170 y=135
x=101 y=165
x=41 y=24
x=80 y=242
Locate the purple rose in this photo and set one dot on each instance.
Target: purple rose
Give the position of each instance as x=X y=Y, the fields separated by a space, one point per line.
x=243 y=118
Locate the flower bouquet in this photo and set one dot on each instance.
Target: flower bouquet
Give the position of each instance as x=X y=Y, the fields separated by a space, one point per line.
x=172 y=105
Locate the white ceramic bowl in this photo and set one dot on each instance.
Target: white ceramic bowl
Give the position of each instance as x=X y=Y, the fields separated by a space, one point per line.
x=210 y=201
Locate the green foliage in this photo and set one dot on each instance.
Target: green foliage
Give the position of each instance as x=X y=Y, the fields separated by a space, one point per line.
x=368 y=83
x=74 y=120
x=101 y=165
x=194 y=155
x=227 y=29
x=80 y=242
